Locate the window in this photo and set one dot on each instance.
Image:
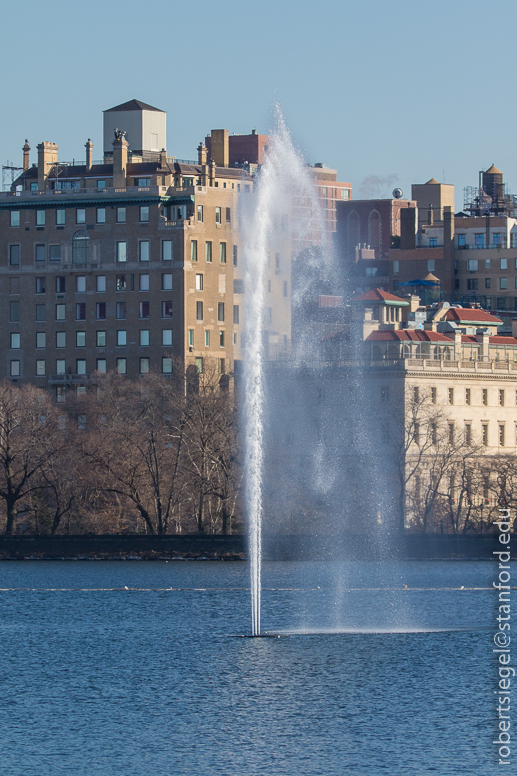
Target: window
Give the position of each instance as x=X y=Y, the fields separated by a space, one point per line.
x=191 y=338
x=121 y=251
x=166 y=337
x=221 y=339
x=101 y=365
x=235 y=255
x=60 y=284
x=200 y=213
x=450 y=395
x=40 y=367
x=277 y=262
x=144 y=213
x=228 y=215
x=60 y=394
x=80 y=215
x=501 y=397
x=101 y=215
x=14 y=316
x=451 y=433
x=503 y=263
x=480 y=240
x=120 y=282
x=100 y=284
x=167 y=250
x=121 y=215
x=40 y=312
x=14 y=255
x=80 y=339
x=80 y=284
x=501 y=434
x=80 y=366
x=34 y=186
x=238 y=286
x=40 y=218
x=220 y=311
x=121 y=366
x=167 y=309
x=15 y=218
x=80 y=311
x=207 y=338
x=146 y=181
x=60 y=339
x=121 y=311
x=54 y=252
x=193 y=250
x=41 y=339
x=144 y=310
x=472 y=265
x=433 y=242
x=60 y=217
x=468 y=433
x=121 y=338
x=144 y=338
x=199 y=365
x=208 y=251
x=467 y=395
x=396 y=265
x=485 y=396
x=143 y=283
x=166 y=282
x=472 y=284
x=144 y=252
x=199 y=311
x=100 y=311
x=503 y=284
x=101 y=184
x=40 y=253
x=60 y=312
x=100 y=339
x=199 y=282
x=80 y=248
x=167 y=365
x=14 y=369
x=144 y=366
x=222 y=252
x=218 y=215
x=496 y=238
x=433 y=395
x=41 y=285
x=484 y=434
x=415 y=394
x=236 y=313
x=487 y=282
x=15 y=340
x=60 y=366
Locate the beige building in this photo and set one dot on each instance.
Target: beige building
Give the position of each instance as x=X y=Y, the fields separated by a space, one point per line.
x=127 y=263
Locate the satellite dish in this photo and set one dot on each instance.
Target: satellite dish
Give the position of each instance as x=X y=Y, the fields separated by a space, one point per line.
x=397 y=193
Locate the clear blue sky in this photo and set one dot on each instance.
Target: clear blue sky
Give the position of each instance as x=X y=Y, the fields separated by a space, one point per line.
x=371 y=87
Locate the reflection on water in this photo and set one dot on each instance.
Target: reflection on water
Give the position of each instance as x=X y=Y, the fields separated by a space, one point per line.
x=126 y=669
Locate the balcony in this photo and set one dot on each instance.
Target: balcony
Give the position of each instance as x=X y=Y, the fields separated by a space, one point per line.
x=70 y=379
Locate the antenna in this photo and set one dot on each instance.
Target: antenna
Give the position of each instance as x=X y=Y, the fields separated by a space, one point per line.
x=9 y=175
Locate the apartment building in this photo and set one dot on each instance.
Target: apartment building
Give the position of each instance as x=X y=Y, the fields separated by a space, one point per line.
x=126 y=263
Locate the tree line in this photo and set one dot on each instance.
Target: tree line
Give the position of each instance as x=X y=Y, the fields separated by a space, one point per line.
x=155 y=455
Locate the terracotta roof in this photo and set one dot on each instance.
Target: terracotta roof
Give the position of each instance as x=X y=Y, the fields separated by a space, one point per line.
x=493 y=170
x=433 y=180
x=432 y=278
x=133 y=105
x=467 y=315
x=408 y=335
x=496 y=340
x=377 y=295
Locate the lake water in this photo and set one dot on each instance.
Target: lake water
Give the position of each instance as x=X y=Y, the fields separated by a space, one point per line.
x=103 y=681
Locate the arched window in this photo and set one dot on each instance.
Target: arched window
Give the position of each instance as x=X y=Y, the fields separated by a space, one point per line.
x=80 y=248
x=354 y=234
x=374 y=231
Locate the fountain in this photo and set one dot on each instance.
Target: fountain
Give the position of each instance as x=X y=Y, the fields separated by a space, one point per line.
x=284 y=209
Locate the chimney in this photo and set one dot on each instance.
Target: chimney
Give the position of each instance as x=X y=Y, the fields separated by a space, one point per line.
x=431 y=216
x=201 y=153
x=163 y=158
x=448 y=244
x=212 y=172
x=47 y=158
x=89 y=155
x=457 y=344
x=220 y=147
x=120 y=146
x=26 y=148
x=483 y=337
